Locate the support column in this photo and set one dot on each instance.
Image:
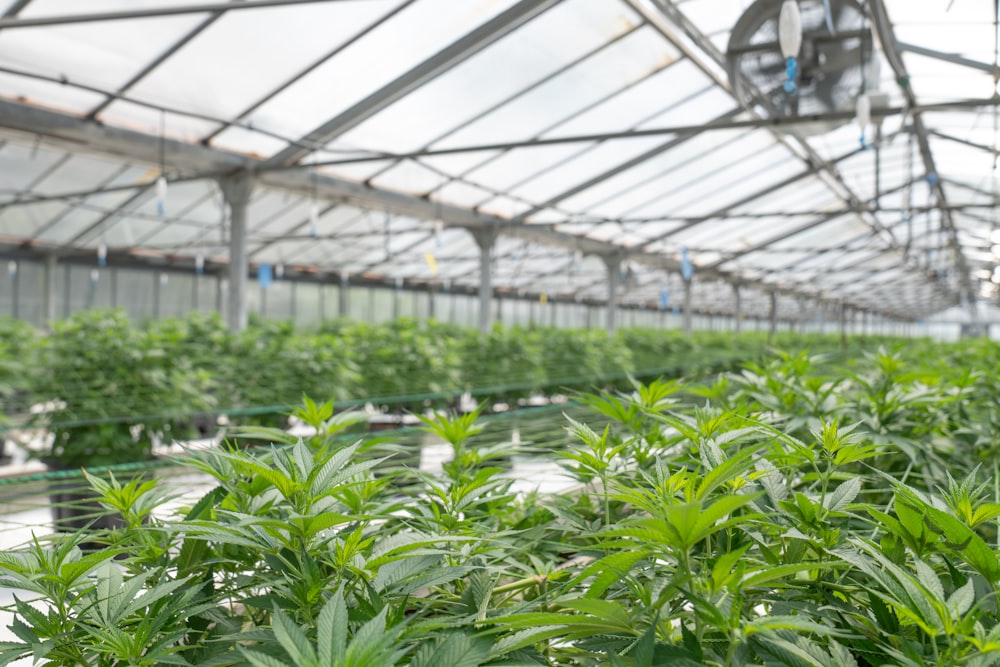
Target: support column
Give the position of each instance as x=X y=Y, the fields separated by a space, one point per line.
x=49 y=290
x=773 y=327
x=395 y=298
x=15 y=288
x=843 y=326
x=687 y=308
x=614 y=266
x=236 y=189
x=342 y=301
x=738 y=296
x=485 y=239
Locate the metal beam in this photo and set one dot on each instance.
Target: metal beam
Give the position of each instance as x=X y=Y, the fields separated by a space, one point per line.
x=453 y=54
x=15 y=8
x=9 y=22
x=952 y=58
x=722 y=122
x=964 y=142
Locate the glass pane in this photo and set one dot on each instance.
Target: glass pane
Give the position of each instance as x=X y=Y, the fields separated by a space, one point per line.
x=134 y=292
x=274 y=44
x=409 y=37
x=502 y=70
x=103 y=54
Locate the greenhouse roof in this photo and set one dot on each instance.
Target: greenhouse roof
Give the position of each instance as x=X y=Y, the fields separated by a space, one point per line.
x=585 y=133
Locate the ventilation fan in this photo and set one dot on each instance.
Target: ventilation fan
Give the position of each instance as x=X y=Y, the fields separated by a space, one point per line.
x=835 y=64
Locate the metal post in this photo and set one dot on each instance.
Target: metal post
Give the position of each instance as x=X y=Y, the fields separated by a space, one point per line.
x=343 y=303
x=49 y=290
x=194 y=289
x=67 y=285
x=773 y=316
x=614 y=264
x=430 y=301
x=157 y=285
x=687 y=308
x=738 y=296
x=485 y=239
x=237 y=189
x=15 y=288
x=218 y=292
x=843 y=326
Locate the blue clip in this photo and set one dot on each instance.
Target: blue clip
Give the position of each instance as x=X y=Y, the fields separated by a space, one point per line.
x=792 y=73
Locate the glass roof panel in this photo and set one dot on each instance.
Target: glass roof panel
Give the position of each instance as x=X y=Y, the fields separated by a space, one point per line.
x=615 y=233
x=360 y=171
x=462 y=194
x=591 y=161
x=266 y=205
x=21 y=165
x=937 y=81
x=505 y=207
x=197 y=79
x=734 y=234
x=174 y=233
x=155 y=122
x=79 y=218
x=48 y=94
x=410 y=176
x=510 y=168
x=549 y=109
x=710 y=184
x=803 y=195
x=505 y=68
x=615 y=196
x=370 y=63
x=104 y=55
x=123 y=232
x=248 y=142
x=77 y=174
x=25 y=219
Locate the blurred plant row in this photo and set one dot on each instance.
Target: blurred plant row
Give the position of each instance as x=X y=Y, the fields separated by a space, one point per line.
x=794 y=513
x=110 y=388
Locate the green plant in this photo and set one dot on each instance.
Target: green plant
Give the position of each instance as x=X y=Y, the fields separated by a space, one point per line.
x=698 y=534
x=115 y=389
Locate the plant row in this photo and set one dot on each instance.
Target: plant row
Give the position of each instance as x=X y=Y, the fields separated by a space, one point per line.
x=795 y=514
x=111 y=388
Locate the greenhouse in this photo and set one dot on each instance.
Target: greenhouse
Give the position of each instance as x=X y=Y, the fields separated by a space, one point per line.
x=471 y=333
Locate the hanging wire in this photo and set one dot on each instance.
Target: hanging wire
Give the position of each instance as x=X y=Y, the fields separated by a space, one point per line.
x=313 y=205
x=161 y=181
x=908 y=190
